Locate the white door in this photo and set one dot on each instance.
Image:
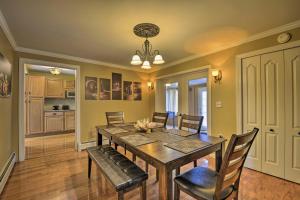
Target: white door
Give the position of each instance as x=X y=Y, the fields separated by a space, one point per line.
x=292 y=117
x=252 y=108
x=272 y=131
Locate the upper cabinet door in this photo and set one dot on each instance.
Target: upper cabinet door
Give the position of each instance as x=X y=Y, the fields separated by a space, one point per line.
x=292 y=114
x=252 y=107
x=54 y=88
x=272 y=84
x=36 y=86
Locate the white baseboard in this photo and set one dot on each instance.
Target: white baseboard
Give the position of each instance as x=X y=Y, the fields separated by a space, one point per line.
x=6 y=170
x=85 y=145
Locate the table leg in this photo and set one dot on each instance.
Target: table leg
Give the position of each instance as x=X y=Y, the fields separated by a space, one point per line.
x=165 y=183
x=219 y=156
x=99 y=138
x=89 y=167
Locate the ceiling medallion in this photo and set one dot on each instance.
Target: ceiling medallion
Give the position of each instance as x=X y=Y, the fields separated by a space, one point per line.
x=146 y=30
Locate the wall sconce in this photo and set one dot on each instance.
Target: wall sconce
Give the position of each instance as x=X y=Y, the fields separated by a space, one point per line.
x=217 y=74
x=150 y=85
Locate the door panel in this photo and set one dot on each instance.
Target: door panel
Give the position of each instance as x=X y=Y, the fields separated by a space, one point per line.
x=252 y=107
x=272 y=85
x=292 y=114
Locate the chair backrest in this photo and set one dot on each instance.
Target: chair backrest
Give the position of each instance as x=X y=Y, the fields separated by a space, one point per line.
x=233 y=161
x=160 y=118
x=114 y=118
x=190 y=122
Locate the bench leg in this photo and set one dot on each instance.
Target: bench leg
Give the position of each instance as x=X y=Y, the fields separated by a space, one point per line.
x=177 y=171
x=157 y=174
x=143 y=191
x=121 y=195
x=89 y=167
x=133 y=157
x=195 y=163
x=146 y=167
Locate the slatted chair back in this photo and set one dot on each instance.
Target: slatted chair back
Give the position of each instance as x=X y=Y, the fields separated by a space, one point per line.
x=114 y=118
x=233 y=162
x=191 y=123
x=160 y=118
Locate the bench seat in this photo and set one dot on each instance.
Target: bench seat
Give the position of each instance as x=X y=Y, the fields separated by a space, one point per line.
x=122 y=173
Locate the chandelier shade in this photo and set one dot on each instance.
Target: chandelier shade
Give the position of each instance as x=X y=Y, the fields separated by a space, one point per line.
x=146 y=30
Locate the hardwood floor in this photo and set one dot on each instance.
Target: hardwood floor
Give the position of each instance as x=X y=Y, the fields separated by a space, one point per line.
x=61 y=173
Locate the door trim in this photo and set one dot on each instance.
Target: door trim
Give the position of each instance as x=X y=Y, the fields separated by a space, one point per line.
x=22 y=62
x=238 y=80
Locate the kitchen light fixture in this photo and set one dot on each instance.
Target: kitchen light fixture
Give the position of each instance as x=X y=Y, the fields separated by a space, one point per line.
x=217 y=74
x=146 y=30
x=55 y=71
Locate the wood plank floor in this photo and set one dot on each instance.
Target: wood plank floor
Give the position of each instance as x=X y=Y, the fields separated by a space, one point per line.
x=61 y=173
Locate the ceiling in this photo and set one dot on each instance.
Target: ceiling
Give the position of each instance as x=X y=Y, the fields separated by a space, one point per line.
x=102 y=30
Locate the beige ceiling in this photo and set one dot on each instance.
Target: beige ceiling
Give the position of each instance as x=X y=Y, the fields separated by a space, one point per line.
x=102 y=30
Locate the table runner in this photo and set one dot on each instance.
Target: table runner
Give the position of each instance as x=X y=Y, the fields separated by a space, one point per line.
x=115 y=130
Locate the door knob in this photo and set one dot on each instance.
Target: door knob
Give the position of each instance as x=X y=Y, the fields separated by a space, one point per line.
x=272 y=130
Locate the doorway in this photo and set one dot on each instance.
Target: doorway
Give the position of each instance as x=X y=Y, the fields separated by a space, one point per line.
x=198 y=100
x=49 y=108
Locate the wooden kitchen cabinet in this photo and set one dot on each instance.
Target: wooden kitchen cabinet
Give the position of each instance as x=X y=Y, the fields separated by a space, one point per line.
x=55 y=88
x=54 y=121
x=35 y=86
x=35 y=115
x=70 y=120
x=69 y=84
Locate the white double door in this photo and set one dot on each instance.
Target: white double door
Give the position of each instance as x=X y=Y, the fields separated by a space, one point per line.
x=271 y=102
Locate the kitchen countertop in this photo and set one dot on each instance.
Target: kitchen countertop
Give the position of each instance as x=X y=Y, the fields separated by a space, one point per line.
x=59 y=110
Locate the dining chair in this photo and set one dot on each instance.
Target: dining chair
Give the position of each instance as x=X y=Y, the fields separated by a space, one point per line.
x=160 y=118
x=113 y=118
x=191 y=123
x=206 y=184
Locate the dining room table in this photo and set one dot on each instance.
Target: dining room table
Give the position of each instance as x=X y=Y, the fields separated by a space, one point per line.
x=165 y=149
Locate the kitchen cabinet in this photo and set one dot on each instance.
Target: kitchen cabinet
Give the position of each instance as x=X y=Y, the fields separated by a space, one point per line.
x=54 y=121
x=69 y=84
x=35 y=115
x=54 y=88
x=35 y=86
x=70 y=120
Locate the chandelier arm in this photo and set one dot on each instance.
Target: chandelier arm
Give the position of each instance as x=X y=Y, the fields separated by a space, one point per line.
x=156 y=52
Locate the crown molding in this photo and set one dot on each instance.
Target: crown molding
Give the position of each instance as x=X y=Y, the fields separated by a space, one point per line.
x=74 y=58
x=277 y=30
x=6 y=31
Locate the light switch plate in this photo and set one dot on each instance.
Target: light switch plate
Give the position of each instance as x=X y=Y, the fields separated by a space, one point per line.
x=219 y=104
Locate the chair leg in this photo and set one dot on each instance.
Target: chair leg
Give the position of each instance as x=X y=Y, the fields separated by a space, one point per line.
x=176 y=192
x=195 y=163
x=89 y=167
x=146 y=167
x=133 y=157
x=116 y=146
x=157 y=174
x=121 y=195
x=143 y=191
x=125 y=150
x=109 y=142
x=177 y=171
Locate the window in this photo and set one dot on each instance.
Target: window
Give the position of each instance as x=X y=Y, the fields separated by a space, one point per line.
x=172 y=97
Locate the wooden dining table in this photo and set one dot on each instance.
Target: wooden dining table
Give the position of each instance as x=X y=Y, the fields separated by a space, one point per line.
x=164 y=158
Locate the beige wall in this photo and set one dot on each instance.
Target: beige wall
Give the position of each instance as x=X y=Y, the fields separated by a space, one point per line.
x=92 y=111
x=5 y=108
x=224 y=119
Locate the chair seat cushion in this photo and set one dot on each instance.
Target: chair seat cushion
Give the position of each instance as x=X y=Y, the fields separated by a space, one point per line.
x=201 y=181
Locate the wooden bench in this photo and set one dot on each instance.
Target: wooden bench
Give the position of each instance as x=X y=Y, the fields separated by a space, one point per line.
x=122 y=173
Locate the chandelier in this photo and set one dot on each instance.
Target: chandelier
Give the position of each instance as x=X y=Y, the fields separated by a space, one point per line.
x=146 y=30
